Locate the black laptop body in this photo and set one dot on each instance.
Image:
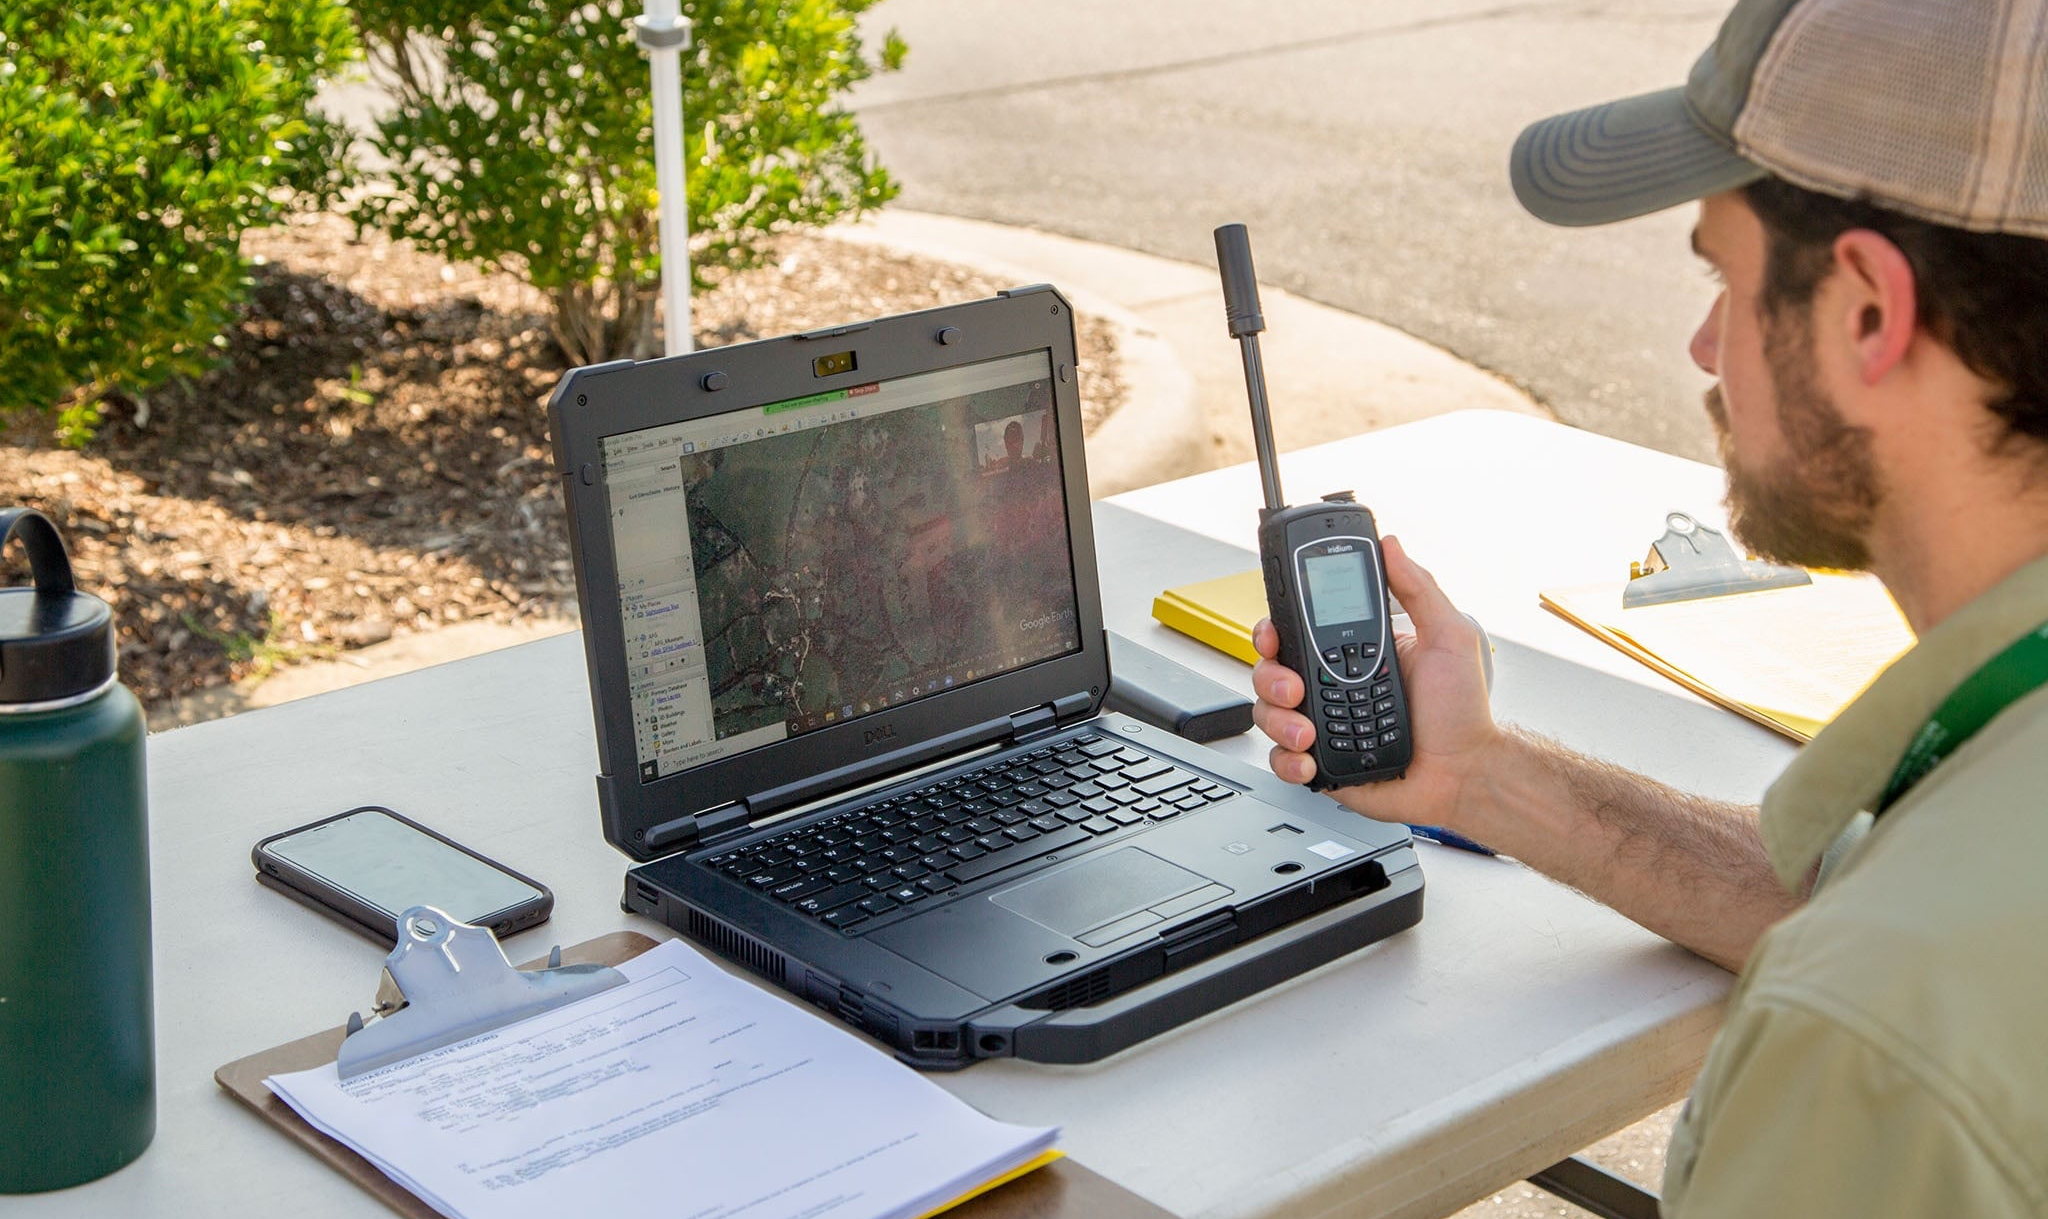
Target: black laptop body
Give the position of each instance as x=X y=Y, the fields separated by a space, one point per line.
x=842 y=618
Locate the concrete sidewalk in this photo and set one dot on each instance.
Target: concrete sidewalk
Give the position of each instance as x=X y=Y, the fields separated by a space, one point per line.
x=1328 y=373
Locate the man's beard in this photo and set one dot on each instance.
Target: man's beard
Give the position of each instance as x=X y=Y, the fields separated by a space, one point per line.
x=1814 y=507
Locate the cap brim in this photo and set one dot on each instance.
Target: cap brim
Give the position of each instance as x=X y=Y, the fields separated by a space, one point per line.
x=1621 y=160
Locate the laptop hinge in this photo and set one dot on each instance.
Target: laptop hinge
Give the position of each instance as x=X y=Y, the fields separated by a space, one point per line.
x=686 y=832
x=1047 y=717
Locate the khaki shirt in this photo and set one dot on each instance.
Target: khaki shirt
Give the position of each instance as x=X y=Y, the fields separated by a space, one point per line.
x=1886 y=1049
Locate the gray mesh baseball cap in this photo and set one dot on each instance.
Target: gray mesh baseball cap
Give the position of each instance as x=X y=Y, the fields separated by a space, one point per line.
x=1936 y=108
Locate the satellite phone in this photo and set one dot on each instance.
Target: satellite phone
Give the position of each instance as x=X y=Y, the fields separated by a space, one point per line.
x=1326 y=584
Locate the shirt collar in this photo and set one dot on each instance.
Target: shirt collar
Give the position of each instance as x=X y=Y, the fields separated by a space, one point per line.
x=1843 y=770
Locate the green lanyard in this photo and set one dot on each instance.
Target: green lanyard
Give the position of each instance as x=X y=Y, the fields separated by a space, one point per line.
x=2002 y=681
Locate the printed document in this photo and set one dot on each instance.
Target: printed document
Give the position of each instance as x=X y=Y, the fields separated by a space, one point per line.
x=683 y=1092
x=1788 y=658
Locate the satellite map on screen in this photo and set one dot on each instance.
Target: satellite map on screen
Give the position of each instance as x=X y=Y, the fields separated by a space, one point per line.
x=848 y=568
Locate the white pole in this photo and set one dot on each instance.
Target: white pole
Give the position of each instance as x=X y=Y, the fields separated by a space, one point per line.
x=665 y=34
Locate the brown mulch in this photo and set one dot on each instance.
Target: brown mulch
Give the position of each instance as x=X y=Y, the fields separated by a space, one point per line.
x=372 y=456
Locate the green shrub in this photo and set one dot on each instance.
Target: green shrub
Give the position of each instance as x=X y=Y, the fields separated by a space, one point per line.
x=137 y=141
x=521 y=140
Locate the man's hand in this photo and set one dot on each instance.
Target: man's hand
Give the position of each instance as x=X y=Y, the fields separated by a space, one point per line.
x=1687 y=868
x=1449 y=721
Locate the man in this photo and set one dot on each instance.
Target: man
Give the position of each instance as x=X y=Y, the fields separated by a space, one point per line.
x=1013 y=447
x=1873 y=187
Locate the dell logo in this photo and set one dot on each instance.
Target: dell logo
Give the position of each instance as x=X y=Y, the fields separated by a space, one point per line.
x=875 y=736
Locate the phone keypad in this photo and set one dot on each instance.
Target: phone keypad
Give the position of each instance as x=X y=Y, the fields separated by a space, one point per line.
x=1354 y=661
x=1352 y=721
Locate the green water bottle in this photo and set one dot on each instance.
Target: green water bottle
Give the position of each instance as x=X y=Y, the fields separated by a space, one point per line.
x=77 y=1048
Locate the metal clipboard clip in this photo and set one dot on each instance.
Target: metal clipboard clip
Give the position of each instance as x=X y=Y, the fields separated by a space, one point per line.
x=456 y=985
x=1692 y=561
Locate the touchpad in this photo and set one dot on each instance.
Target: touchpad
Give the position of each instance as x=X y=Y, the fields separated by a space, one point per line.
x=1099 y=890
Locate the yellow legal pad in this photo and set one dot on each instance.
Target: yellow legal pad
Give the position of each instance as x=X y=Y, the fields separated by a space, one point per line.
x=1220 y=613
x=1788 y=658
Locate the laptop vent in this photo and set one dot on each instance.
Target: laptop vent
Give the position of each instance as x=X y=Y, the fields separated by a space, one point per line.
x=1091 y=987
x=737 y=946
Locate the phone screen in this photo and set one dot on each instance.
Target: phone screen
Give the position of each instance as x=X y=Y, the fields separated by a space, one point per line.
x=388 y=864
x=1337 y=588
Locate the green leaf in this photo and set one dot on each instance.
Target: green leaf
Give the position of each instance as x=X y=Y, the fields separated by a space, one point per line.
x=163 y=130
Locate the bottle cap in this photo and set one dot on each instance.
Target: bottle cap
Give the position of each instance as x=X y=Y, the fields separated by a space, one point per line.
x=55 y=642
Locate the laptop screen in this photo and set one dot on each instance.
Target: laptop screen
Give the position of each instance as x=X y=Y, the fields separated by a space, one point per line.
x=794 y=565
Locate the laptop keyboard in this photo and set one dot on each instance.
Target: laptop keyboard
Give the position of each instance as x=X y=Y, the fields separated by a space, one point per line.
x=910 y=848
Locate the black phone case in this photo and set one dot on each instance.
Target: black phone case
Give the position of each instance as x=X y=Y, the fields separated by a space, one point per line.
x=281 y=876
x=1280 y=534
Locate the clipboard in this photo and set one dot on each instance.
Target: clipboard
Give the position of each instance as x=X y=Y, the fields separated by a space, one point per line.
x=1782 y=646
x=1059 y=1190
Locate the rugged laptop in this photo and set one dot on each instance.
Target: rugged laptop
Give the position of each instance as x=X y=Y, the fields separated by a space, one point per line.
x=841 y=612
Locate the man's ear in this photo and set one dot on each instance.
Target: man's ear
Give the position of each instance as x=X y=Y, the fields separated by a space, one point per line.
x=1877 y=306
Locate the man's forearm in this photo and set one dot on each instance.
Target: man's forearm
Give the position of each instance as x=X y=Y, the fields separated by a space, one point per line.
x=1690 y=869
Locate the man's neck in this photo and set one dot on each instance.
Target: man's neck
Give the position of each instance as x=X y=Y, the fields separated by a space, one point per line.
x=1954 y=540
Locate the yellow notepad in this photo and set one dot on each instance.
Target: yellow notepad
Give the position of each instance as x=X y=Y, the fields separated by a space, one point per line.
x=1220 y=613
x=1788 y=658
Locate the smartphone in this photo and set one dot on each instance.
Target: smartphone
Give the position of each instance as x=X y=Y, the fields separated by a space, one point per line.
x=367 y=866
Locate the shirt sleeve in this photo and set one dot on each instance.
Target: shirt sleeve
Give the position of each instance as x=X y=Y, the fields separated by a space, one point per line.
x=1797 y=1113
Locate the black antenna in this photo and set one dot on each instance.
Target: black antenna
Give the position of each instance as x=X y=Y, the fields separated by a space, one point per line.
x=1241 y=310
